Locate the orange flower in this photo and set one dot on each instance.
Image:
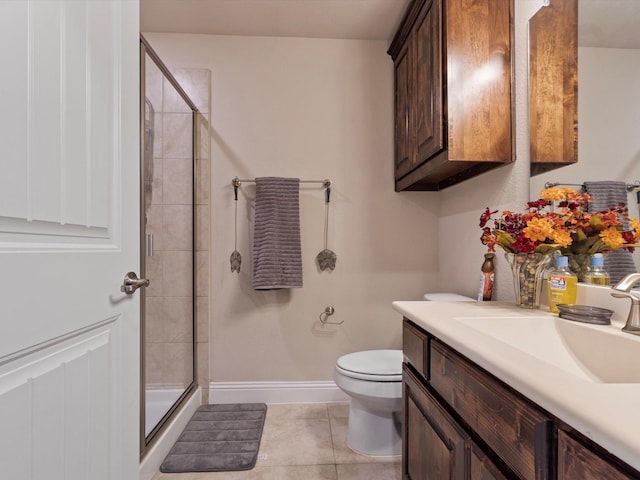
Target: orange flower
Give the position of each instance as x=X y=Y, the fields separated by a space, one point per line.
x=564 y=226
x=612 y=238
x=562 y=237
x=610 y=219
x=555 y=194
x=538 y=229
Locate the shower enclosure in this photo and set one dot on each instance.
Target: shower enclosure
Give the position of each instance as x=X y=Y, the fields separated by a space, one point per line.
x=167 y=220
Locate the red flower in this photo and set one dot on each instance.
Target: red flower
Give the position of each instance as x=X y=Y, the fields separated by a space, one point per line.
x=486 y=216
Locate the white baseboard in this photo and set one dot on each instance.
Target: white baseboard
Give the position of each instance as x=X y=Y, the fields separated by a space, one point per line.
x=157 y=453
x=275 y=392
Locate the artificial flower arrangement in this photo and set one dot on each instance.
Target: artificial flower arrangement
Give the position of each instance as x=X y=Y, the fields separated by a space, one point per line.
x=558 y=221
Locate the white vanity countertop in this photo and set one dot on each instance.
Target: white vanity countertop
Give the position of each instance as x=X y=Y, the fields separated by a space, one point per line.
x=607 y=413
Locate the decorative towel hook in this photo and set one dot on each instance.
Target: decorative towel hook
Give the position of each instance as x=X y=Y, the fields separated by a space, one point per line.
x=328 y=311
x=235 y=259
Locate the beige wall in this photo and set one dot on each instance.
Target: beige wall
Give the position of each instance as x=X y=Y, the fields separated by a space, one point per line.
x=312 y=109
x=461 y=252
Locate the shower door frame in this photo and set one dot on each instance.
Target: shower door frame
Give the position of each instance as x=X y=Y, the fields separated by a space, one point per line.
x=147 y=441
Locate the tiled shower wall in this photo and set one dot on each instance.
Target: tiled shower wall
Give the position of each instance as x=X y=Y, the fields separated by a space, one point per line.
x=168 y=304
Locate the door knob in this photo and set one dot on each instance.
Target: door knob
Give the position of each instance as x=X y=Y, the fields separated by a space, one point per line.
x=131 y=283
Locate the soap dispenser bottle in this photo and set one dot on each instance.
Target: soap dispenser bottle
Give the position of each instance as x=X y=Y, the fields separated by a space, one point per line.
x=597 y=275
x=562 y=284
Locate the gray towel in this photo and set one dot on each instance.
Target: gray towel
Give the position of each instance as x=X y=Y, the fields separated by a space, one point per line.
x=277 y=252
x=605 y=195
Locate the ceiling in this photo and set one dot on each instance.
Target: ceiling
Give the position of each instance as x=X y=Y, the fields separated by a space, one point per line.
x=603 y=23
x=352 y=19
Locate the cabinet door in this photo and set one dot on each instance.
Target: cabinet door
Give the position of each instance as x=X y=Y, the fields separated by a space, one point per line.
x=427 y=96
x=577 y=461
x=434 y=446
x=404 y=143
x=481 y=467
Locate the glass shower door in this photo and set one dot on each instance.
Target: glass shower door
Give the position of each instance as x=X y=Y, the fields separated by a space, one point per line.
x=167 y=222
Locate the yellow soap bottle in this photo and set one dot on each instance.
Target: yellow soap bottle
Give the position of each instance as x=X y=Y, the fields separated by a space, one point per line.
x=562 y=284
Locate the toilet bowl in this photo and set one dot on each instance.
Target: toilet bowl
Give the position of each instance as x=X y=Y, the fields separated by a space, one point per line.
x=373 y=380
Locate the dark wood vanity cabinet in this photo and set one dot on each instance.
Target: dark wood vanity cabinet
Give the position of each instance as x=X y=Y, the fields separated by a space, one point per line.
x=460 y=422
x=576 y=460
x=437 y=447
x=435 y=443
x=453 y=91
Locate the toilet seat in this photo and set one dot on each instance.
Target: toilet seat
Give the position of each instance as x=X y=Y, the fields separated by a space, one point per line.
x=372 y=365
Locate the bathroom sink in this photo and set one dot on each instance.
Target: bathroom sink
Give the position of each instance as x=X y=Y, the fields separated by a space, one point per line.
x=600 y=354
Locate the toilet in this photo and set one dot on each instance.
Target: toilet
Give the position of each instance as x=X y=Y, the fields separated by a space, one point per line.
x=373 y=380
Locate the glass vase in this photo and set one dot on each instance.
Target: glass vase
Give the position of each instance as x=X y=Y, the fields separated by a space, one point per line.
x=579 y=263
x=527 y=270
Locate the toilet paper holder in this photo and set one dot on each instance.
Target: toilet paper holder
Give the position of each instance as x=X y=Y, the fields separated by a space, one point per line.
x=328 y=311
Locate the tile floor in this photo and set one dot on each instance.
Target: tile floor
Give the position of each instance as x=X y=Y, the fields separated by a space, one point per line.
x=306 y=441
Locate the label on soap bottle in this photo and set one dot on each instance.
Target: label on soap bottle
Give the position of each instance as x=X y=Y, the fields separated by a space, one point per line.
x=557 y=282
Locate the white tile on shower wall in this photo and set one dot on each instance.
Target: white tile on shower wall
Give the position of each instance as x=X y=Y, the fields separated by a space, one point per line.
x=203 y=145
x=153 y=79
x=178 y=319
x=153 y=363
x=172 y=102
x=177 y=135
x=153 y=226
x=177 y=182
x=196 y=82
x=178 y=363
x=203 y=223
x=153 y=319
x=202 y=319
x=154 y=269
x=203 y=181
x=177 y=274
x=158 y=135
x=202 y=273
x=177 y=227
x=156 y=196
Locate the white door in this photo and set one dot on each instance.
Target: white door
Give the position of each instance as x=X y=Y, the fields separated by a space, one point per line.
x=69 y=232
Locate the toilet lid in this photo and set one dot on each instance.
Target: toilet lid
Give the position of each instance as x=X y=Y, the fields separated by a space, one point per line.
x=386 y=364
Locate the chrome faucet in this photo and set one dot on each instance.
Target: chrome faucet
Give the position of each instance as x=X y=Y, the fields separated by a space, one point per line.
x=622 y=289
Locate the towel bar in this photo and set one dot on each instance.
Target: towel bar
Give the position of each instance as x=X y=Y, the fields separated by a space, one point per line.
x=236 y=182
x=630 y=186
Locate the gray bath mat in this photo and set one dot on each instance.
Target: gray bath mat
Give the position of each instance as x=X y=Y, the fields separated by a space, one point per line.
x=218 y=438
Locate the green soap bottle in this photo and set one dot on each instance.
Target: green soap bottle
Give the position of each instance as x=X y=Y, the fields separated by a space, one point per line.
x=562 y=284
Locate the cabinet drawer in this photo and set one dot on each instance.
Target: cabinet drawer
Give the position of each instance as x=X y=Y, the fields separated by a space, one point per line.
x=415 y=347
x=507 y=423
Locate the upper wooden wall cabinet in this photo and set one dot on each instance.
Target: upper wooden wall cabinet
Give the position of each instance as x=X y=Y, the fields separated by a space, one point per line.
x=453 y=62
